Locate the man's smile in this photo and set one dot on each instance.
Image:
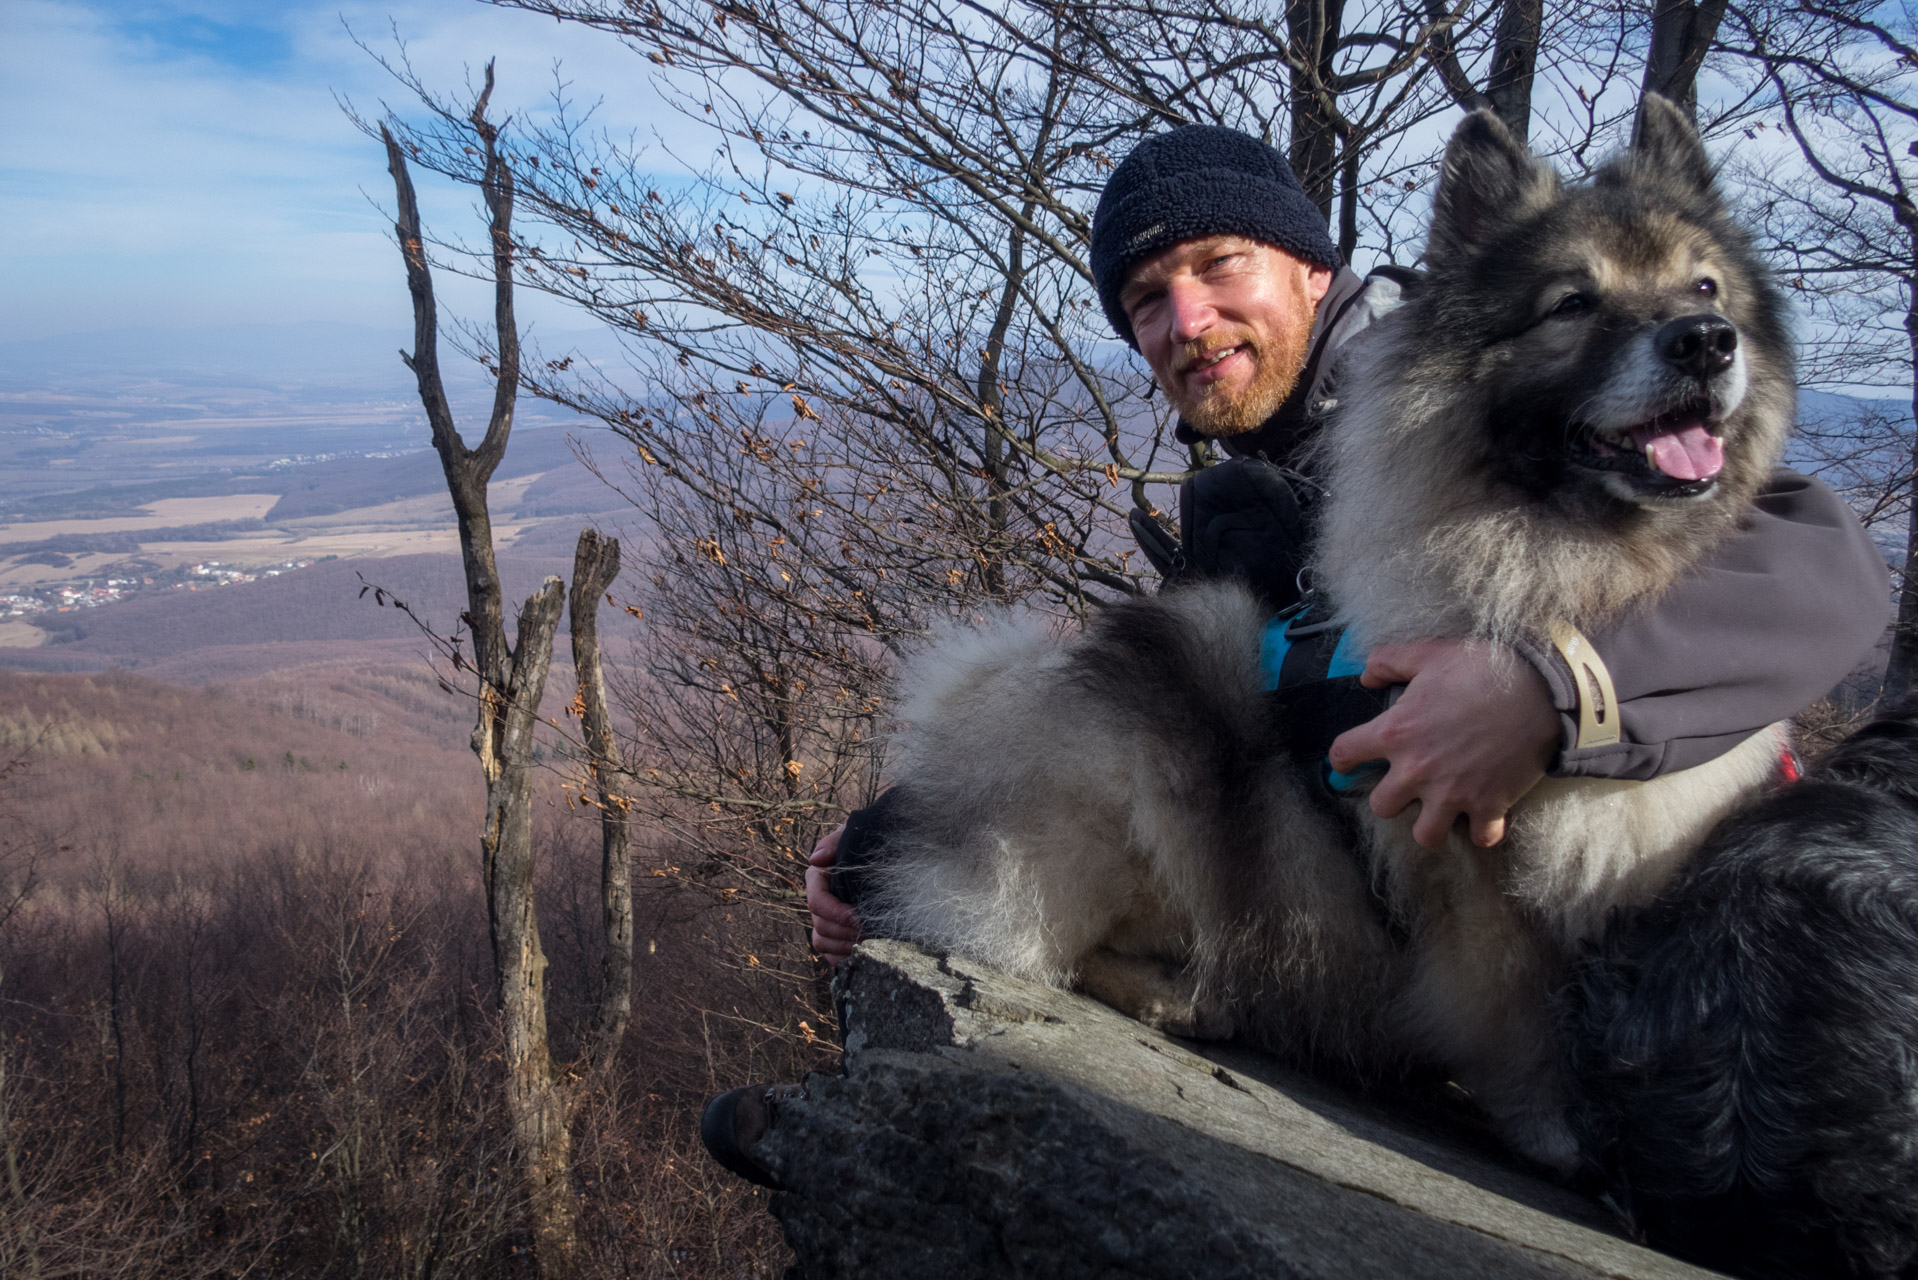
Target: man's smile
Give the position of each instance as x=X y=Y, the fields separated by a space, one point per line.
x=1214 y=365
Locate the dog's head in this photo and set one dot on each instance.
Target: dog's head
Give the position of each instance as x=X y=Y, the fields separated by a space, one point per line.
x=1628 y=345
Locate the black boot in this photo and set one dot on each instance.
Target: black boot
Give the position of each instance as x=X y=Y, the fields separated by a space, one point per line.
x=735 y=1120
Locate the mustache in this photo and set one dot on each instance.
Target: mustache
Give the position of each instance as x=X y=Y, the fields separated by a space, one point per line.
x=1201 y=350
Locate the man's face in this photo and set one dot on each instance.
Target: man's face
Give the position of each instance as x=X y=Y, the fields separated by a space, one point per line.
x=1224 y=322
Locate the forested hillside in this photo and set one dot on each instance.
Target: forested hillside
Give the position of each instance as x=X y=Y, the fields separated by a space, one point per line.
x=245 y=953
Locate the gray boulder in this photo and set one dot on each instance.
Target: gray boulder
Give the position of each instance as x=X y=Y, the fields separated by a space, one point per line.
x=984 y=1126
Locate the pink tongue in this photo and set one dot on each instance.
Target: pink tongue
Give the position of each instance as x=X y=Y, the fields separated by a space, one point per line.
x=1688 y=452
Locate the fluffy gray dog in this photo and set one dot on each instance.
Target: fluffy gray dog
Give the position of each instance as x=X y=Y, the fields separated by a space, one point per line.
x=1583 y=399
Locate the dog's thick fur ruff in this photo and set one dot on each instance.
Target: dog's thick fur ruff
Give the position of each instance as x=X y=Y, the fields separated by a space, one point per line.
x=1115 y=811
x=1745 y=1053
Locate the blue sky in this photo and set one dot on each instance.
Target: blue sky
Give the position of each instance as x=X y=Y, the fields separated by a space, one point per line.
x=184 y=163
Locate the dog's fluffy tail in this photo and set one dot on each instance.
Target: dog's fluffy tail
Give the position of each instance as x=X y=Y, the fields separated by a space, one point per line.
x=1050 y=776
x=1124 y=788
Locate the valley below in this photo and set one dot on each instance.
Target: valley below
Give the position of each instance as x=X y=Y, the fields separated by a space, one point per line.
x=243 y=935
x=205 y=507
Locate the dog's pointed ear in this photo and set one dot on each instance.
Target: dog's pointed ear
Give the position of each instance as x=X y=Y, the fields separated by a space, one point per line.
x=1665 y=141
x=1489 y=181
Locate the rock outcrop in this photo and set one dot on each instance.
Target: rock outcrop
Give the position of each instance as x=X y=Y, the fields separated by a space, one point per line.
x=984 y=1126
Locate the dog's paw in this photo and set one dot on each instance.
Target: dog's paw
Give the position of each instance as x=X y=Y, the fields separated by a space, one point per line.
x=1543 y=1138
x=1189 y=1020
x=1165 y=997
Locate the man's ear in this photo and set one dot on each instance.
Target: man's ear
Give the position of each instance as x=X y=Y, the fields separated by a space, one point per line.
x=1318 y=283
x=1665 y=143
x=1489 y=182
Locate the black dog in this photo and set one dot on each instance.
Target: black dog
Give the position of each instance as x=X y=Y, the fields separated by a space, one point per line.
x=1745 y=1052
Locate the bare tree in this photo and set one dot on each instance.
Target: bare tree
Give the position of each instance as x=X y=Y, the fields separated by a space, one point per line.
x=512 y=681
x=595 y=565
x=1842 y=80
x=931 y=284
x=1682 y=34
x=757 y=706
x=1337 y=84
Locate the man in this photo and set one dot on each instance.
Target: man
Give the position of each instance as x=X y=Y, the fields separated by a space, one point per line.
x=1215 y=266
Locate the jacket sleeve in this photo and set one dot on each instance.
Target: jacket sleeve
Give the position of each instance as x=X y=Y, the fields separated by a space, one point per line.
x=1783 y=611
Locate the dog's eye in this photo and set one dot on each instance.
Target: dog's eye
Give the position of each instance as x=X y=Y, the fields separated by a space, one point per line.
x=1706 y=287
x=1572 y=304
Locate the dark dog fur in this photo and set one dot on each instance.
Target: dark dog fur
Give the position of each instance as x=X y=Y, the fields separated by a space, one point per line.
x=1746 y=1051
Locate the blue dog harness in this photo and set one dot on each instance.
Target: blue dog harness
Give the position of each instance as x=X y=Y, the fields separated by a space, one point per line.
x=1312 y=671
x=1312 y=674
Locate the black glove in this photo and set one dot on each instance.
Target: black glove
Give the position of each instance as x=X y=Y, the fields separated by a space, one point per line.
x=864 y=843
x=1240 y=519
x=1166 y=555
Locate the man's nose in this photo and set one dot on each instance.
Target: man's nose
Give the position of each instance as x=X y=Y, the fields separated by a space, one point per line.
x=1191 y=309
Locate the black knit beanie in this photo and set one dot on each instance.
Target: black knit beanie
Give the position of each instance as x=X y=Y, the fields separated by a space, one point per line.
x=1199 y=180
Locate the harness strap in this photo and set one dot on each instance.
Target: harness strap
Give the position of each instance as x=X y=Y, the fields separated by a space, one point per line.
x=1312 y=672
x=1790 y=768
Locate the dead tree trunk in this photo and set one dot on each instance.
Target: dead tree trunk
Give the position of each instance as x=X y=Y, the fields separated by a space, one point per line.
x=595 y=565
x=1508 y=87
x=1682 y=33
x=504 y=738
x=511 y=682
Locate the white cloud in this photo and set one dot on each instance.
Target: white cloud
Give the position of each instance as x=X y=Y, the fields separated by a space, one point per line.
x=186 y=161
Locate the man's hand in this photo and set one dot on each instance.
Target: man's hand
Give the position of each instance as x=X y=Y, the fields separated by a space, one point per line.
x=1473 y=731
x=835 y=928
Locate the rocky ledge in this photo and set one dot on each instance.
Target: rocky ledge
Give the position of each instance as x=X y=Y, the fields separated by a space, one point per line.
x=984 y=1126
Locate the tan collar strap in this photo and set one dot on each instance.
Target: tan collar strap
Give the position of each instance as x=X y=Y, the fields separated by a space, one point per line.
x=1597 y=702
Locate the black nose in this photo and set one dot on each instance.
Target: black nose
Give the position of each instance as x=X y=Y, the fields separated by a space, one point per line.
x=1699 y=345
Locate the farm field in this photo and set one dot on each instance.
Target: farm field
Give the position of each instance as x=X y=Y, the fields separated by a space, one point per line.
x=210 y=504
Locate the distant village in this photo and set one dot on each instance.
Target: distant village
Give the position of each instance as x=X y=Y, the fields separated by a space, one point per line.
x=91 y=593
